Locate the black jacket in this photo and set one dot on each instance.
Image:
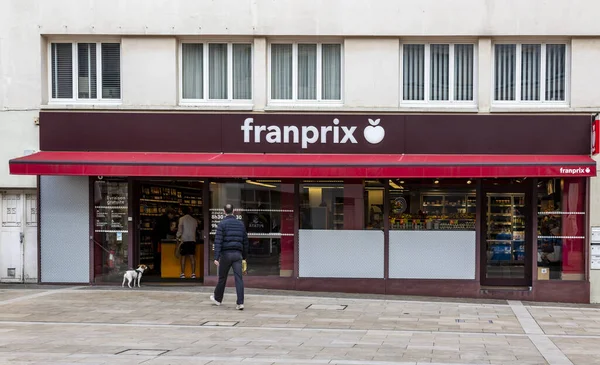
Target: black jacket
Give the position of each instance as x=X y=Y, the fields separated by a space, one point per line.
x=231 y=235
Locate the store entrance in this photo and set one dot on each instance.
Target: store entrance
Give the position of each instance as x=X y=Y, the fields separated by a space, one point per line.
x=506 y=239
x=162 y=203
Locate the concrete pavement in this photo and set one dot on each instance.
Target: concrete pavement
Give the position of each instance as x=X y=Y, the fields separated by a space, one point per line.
x=178 y=325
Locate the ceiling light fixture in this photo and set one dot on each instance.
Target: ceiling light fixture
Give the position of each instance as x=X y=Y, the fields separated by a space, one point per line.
x=395 y=186
x=260 y=184
x=436 y=181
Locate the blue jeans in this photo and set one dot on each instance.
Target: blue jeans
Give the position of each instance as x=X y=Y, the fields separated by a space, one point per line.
x=228 y=260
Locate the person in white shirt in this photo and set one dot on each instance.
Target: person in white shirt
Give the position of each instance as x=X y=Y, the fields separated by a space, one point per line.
x=187 y=234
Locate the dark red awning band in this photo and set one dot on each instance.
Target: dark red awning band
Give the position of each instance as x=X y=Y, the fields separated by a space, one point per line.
x=300 y=165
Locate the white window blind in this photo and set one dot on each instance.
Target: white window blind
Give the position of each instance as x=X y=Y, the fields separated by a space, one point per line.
x=555 y=72
x=332 y=72
x=93 y=70
x=414 y=71
x=111 y=70
x=242 y=71
x=438 y=72
x=530 y=72
x=193 y=70
x=307 y=72
x=216 y=71
x=463 y=72
x=281 y=71
x=531 y=55
x=62 y=70
x=87 y=75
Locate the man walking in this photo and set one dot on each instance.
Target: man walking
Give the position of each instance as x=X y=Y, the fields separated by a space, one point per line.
x=231 y=247
x=186 y=232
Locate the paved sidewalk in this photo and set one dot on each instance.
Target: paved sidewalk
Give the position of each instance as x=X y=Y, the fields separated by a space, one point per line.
x=178 y=325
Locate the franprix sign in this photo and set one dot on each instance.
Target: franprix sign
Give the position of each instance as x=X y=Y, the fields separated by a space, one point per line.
x=313 y=133
x=316 y=133
x=575 y=171
x=307 y=135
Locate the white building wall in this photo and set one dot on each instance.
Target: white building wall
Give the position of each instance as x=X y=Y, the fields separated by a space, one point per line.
x=149 y=71
x=585 y=78
x=371 y=73
x=371 y=32
x=311 y=17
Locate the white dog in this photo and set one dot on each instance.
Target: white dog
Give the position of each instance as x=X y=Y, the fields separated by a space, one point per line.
x=132 y=275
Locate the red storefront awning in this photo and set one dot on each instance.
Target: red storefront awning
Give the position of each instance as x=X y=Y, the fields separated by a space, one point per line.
x=300 y=165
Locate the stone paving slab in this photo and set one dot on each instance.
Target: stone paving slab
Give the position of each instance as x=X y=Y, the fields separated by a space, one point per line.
x=128 y=306
x=76 y=325
x=91 y=343
x=8 y=294
x=581 y=351
x=567 y=321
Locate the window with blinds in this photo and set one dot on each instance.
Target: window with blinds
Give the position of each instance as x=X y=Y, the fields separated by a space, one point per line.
x=85 y=71
x=530 y=72
x=306 y=72
x=438 y=73
x=216 y=72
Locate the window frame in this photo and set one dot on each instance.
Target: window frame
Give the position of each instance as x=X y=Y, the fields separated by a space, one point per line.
x=519 y=55
x=319 y=92
x=75 y=64
x=451 y=77
x=205 y=100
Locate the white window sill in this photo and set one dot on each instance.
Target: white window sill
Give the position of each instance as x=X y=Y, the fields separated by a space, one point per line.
x=526 y=107
x=215 y=106
x=452 y=107
x=196 y=107
x=304 y=105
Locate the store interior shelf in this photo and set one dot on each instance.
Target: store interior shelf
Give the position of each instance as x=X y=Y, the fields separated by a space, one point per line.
x=159 y=201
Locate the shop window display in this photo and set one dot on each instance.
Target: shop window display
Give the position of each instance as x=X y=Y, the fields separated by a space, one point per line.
x=341 y=204
x=432 y=205
x=161 y=204
x=505 y=235
x=267 y=209
x=561 y=229
x=111 y=236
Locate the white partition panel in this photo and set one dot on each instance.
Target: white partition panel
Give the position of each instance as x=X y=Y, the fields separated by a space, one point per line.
x=432 y=254
x=65 y=229
x=341 y=254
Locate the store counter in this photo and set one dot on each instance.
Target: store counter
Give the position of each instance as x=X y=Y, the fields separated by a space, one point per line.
x=171 y=265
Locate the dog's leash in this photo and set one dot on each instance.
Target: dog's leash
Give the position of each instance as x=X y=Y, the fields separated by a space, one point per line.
x=102 y=247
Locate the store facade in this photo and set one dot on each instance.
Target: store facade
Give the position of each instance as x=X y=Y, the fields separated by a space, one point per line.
x=490 y=206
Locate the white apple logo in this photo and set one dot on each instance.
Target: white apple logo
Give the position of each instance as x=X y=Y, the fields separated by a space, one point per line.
x=374 y=133
x=587 y=170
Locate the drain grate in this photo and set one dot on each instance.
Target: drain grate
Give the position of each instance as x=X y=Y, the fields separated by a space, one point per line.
x=331 y=307
x=220 y=324
x=143 y=352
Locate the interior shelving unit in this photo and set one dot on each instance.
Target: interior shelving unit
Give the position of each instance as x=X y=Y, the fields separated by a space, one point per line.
x=156 y=200
x=505 y=228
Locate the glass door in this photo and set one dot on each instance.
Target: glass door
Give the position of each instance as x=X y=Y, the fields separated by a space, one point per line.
x=506 y=243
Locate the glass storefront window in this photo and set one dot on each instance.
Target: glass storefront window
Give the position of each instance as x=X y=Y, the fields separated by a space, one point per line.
x=111 y=238
x=374 y=208
x=341 y=205
x=561 y=228
x=267 y=209
x=322 y=204
x=432 y=205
